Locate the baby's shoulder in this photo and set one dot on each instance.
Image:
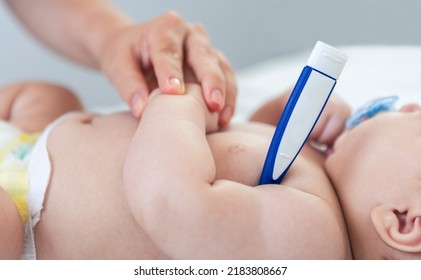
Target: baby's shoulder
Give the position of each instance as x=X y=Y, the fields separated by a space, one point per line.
x=302 y=224
x=307 y=174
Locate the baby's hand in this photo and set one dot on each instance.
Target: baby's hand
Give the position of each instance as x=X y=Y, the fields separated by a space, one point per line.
x=332 y=121
x=329 y=126
x=195 y=91
x=194 y=97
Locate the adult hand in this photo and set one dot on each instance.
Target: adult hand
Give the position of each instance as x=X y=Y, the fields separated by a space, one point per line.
x=138 y=57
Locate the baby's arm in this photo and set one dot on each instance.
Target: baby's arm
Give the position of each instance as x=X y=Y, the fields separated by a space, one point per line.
x=329 y=126
x=169 y=180
x=11 y=229
x=33 y=105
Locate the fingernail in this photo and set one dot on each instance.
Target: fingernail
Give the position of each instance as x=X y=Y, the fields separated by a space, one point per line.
x=216 y=96
x=137 y=104
x=176 y=84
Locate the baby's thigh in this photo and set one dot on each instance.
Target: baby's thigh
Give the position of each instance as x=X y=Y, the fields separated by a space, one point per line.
x=11 y=233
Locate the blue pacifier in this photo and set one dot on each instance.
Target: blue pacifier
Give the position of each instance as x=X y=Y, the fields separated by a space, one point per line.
x=372 y=108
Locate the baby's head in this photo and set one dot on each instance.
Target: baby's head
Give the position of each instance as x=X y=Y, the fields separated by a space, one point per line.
x=376 y=170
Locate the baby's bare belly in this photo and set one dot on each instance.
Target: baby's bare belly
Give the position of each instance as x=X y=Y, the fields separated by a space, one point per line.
x=85 y=212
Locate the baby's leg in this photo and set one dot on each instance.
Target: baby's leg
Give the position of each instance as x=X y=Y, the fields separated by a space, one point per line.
x=11 y=233
x=33 y=105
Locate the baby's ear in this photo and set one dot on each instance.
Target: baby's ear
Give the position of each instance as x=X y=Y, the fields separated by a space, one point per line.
x=398 y=228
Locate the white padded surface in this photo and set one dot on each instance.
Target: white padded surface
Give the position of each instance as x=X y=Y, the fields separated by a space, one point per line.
x=371 y=71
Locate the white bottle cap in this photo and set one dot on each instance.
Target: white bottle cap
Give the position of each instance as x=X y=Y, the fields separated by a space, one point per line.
x=327 y=60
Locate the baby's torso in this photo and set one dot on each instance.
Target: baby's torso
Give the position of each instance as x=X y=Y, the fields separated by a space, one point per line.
x=86 y=199
x=240 y=152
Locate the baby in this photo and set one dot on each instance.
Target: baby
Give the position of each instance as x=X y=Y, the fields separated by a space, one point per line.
x=375 y=168
x=168 y=186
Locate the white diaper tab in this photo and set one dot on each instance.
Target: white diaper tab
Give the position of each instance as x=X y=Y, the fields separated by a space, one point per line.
x=39 y=171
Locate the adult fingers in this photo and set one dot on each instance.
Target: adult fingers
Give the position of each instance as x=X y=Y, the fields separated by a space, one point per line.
x=165 y=47
x=231 y=91
x=202 y=58
x=125 y=73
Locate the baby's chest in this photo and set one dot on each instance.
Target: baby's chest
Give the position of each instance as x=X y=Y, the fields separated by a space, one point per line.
x=239 y=156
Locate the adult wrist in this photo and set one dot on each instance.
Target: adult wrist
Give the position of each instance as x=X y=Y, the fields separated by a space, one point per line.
x=101 y=24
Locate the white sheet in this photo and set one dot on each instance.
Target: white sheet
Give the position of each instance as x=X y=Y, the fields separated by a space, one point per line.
x=371 y=71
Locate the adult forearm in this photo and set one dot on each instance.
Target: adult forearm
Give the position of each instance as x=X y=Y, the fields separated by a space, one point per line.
x=75 y=28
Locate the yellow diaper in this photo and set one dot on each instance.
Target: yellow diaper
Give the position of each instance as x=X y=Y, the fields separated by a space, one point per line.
x=14 y=158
